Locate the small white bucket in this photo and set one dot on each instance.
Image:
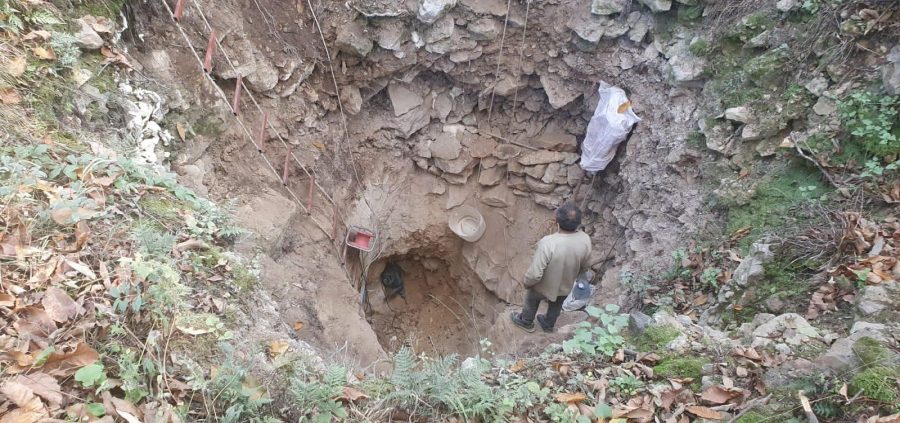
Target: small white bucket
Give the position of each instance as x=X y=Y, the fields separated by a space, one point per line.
x=467 y=223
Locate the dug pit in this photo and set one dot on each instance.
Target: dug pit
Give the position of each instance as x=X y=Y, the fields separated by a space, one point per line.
x=409 y=119
x=446 y=308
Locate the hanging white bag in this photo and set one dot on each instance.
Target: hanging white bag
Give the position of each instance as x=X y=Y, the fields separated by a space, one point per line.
x=610 y=125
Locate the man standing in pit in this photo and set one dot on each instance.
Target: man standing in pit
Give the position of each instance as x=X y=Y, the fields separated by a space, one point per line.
x=558 y=260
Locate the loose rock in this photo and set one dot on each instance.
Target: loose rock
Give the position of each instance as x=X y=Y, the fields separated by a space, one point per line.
x=541 y=157
x=403 y=99
x=352 y=39
x=430 y=10
x=87 y=38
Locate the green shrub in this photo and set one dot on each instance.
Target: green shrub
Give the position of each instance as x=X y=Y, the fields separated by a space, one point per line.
x=871 y=122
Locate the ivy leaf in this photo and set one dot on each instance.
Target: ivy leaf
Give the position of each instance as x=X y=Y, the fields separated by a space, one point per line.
x=90 y=375
x=95 y=409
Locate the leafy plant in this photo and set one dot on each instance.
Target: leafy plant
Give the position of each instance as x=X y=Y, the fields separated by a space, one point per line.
x=627 y=385
x=91 y=376
x=319 y=398
x=870 y=119
x=599 y=339
x=710 y=277
x=457 y=390
x=66 y=49
x=10 y=19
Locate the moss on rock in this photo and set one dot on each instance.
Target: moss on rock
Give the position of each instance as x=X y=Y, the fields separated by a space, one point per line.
x=681 y=367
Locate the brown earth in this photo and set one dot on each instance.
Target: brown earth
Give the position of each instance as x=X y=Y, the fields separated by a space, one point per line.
x=428 y=130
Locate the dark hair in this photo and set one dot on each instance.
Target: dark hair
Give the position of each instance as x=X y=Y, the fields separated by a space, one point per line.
x=568 y=217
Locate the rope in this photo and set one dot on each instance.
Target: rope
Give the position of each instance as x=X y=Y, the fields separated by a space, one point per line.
x=521 y=55
x=337 y=92
x=247 y=133
x=269 y=124
x=499 y=61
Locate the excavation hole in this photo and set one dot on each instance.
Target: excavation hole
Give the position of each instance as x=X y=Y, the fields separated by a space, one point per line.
x=446 y=308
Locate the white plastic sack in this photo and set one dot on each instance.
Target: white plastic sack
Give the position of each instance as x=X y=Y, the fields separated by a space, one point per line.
x=609 y=126
x=581 y=294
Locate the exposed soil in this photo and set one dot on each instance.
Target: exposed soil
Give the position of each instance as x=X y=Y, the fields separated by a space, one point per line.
x=446 y=309
x=429 y=131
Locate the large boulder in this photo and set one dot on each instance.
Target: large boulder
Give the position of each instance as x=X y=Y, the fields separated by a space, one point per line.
x=554 y=137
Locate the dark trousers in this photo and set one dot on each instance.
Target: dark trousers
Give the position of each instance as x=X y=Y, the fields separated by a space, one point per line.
x=533 y=300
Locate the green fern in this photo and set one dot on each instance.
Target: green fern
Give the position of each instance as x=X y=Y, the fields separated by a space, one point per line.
x=317 y=400
x=43 y=17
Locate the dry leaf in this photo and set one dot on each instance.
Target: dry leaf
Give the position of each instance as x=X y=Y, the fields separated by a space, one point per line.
x=34 y=323
x=704 y=412
x=59 y=306
x=518 y=366
x=64 y=364
x=7 y=300
x=623 y=107
x=721 y=395
x=32 y=411
x=10 y=96
x=43 y=53
x=277 y=348
x=182 y=132
x=570 y=398
x=352 y=395
x=298 y=325
x=318 y=145
x=41 y=384
x=633 y=412
x=122 y=407
x=38 y=34
x=82 y=234
x=16 y=66
x=81 y=268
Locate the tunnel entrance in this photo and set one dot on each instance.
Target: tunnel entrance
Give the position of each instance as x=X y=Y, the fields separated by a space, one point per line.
x=446 y=308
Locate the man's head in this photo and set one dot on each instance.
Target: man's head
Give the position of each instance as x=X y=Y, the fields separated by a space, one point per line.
x=568 y=217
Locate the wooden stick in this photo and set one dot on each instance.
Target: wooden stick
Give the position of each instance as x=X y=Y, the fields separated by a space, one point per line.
x=236 y=103
x=210 y=50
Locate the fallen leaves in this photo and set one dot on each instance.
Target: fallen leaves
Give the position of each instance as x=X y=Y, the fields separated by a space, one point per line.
x=43 y=53
x=721 y=395
x=352 y=395
x=570 y=398
x=10 y=96
x=704 y=412
x=277 y=348
x=58 y=305
x=16 y=66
